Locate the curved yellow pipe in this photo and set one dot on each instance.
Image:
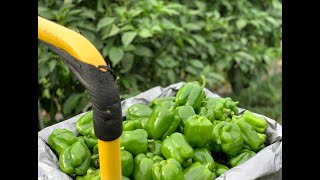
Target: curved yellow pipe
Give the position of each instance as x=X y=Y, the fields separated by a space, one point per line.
x=81 y=48
x=70 y=41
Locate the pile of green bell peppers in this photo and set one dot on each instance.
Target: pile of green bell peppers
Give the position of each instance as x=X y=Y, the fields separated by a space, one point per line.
x=188 y=136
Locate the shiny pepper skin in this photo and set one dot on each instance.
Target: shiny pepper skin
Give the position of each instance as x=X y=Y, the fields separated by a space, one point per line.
x=198 y=130
x=169 y=169
x=75 y=159
x=177 y=147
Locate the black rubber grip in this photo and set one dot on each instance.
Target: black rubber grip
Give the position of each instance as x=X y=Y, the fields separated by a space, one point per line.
x=103 y=92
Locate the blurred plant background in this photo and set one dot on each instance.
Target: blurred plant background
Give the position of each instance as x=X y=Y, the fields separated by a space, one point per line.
x=236 y=45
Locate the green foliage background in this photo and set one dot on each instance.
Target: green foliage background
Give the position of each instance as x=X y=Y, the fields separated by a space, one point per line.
x=160 y=42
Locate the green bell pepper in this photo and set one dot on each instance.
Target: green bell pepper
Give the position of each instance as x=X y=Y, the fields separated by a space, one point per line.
x=208 y=113
x=131 y=125
x=135 y=141
x=259 y=124
x=154 y=146
x=219 y=102
x=144 y=122
x=60 y=139
x=208 y=146
x=143 y=166
x=249 y=135
x=177 y=147
x=261 y=146
x=197 y=171
x=158 y=101
x=162 y=122
x=190 y=94
x=170 y=105
x=81 y=138
x=169 y=169
x=220 y=169
x=84 y=124
x=223 y=108
x=75 y=159
x=198 y=130
x=90 y=141
x=184 y=112
x=125 y=178
x=138 y=111
x=126 y=162
x=134 y=125
x=262 y=138
x=243 y=156
x=92 y=174
x=228 y=136
x=203 y=156
x=95 y=157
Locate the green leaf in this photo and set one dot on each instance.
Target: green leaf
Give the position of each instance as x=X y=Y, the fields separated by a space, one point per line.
x=128 y=37
x=71 y=103
x=191 y=41
x=145 y=33
x=109 y=44
x=169 y=11
x=127 y=63
x=201 y=5
x=114 y=31
x=192 y=70
x=199 y=39
x=88 y=13
x=46 y=13
x=46 y=93
x=84 y=100
x=134 y=12
x=246 y=56
x=127 y=27
x=105 y=51
x=129 y=47
x=75 y=12
x=105 y=22
x=161 y=62
x=196 y=63
x=272 y=21
x=171 y=76
x=193 y=27
x=216 y=77
x=43 y=70
x=100 y=7
x=115 y=55
x=143 y=51
x=59 y=92
x=244 y=67
x=120 y=11
x=167 y=62
x=241 y=23
x=156 y=28
x=52 y=64
x=211 y=50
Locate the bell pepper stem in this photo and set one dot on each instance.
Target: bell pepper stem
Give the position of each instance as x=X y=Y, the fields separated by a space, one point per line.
x=96 y=156
x=203 y=81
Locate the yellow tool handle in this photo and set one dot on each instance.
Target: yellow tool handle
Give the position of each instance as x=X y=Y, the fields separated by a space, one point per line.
x=80 y=48
x=70 y=41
